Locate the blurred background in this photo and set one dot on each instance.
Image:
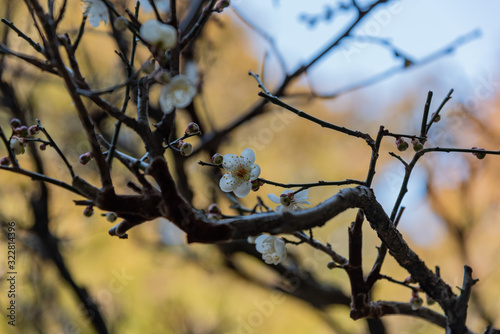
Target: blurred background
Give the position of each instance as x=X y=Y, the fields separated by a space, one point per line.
x=154 y=282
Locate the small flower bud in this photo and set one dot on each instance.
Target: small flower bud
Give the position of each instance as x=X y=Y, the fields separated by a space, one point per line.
x=16 y=145
x=221 y=4
x=479 y=155
x=148 y=67
x=85 y=158
x=5 y=161
x=33 y=130
x=185 y=148
x=163 y=77
x=43 y=146
x=15 y=123
x=437 y=119
x=214 y=212
x=120 y=23
x=251 y=239
x=409 y=280
x=256 y=184
x=88 y=211
x=214 y=208
x=217 y=159
x=429 y=300
x=401 y=144
x=111 y=217
x=22 y=131
x=331 y=265
x=416 y=302
x=192 y=129
x=417 y=145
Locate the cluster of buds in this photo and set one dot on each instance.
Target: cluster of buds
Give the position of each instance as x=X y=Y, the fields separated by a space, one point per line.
x=20 y=135
x=479 y=155
x=214 y=212
x=402 y=145
x=19 y=138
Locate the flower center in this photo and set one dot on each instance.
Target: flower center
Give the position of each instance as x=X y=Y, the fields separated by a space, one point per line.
x=242 y=173
x=286 y=199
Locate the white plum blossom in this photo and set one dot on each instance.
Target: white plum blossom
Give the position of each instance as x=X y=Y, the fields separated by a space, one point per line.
x=96 y=12
x=272 y=248
x=178 y=93
x=16 y=145
x=290 y=201
x=157 y=33
x=162 y=5
x=241 y=171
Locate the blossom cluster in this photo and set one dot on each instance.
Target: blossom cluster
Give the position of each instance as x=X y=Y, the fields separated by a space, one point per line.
x=178 y=91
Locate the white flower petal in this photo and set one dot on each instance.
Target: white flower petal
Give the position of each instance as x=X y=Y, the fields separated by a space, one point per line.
x=274 y=198
x=162 y=5
x=249 y=155
x=157 y=33
x=302 y=195
x=229 y=162
x=287 y=191
x=279 y=209
x=259 y=242
x=228 y=183
x=243 y=189
x=166 y=102
x=97 y=12
x=182 y=90
x=280 y=247
x=149 y=31
x=167 y=36
x=255 y=172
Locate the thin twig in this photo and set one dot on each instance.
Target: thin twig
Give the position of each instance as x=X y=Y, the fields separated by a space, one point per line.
x=41 y=177
x=306 y=185
x=35 y=45
x=324 y=248
x=56 y=147
x=358 y=134
x=6 y=142
x=436 y=114
x=426 y=114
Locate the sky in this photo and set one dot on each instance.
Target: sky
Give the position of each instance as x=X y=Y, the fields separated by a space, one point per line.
x=417 y=28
